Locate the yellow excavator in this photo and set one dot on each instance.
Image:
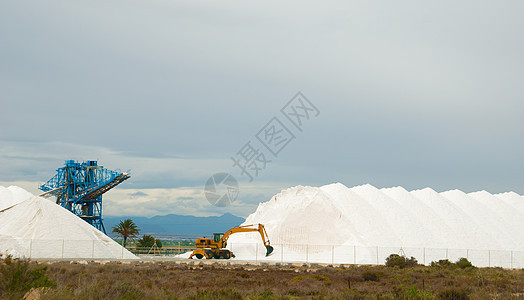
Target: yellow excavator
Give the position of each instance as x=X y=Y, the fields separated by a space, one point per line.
x=215 y=248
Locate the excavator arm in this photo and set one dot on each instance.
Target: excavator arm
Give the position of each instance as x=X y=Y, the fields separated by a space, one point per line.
x=249 y=228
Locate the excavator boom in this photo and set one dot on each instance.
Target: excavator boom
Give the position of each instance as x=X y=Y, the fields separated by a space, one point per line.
x=249 y=228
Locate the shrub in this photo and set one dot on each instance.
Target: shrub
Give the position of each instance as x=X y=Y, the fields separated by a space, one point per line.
x=266 y=294
x=410 y=292
x=318 y=277
x=454 y=294
x=297 y=278
x=147 y=241
x=411 y=262
x=400 y=261
x=228 y=293
x=441 y=263
x=315 y=277
x=463 y=263
x=396 y=260
x=369 y=276
x=17 y=277
x=128 y=291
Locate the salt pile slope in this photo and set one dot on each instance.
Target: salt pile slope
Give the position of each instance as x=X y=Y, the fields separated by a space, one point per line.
x=38 y=228
x=390 y=217
x=12 y=195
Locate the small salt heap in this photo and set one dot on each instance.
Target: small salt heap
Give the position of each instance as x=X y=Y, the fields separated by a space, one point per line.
x=35 y=227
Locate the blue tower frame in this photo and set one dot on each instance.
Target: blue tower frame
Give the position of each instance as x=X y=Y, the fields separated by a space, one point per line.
x=78 y=187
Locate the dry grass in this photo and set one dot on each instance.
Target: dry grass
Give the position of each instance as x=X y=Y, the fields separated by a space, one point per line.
x=169 y=280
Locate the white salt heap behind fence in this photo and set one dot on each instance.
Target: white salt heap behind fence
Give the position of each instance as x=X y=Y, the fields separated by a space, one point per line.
x=35 y=227
x=363 y=224
x=12 y=195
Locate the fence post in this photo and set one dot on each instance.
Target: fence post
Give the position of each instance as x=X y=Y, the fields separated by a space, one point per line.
x=489 y=258
x=447 y=253
x=424 y=256
x=63 y=242
x=332 y=254
x=354 y=255
x=30 y=247
x=282 y=253
x=256 y=254
x=511 y=263
x=307 y=253
x=467 y=254
x=377 y=255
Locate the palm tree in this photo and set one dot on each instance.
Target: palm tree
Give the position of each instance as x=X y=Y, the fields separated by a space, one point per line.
x=126 y=229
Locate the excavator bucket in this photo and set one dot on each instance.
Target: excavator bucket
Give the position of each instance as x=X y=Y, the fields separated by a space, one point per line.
x=269 y=250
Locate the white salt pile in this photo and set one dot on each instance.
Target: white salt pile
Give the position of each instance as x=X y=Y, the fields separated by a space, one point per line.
x=364 y=216
x=12 y=195
x=35 y=227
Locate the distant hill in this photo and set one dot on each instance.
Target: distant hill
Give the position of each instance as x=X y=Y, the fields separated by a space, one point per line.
x=178 y=224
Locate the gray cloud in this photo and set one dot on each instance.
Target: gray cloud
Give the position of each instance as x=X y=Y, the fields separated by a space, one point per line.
x=411 y=94
x=137 y=194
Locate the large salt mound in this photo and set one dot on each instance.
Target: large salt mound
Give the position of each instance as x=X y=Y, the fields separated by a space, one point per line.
x=35 y=227
x=365 y=216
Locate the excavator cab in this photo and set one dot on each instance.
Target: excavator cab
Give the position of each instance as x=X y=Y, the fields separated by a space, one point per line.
x=217 y=237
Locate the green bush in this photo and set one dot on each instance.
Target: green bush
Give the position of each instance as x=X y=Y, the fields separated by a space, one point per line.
x=395 y=260
x=298 y=278
x=400 y=261
x=411 y=262
x=128 y=291
x=441 y=263
x=18 y=276
x=147 y=241
x=463 y=263
x=369 y=276
x=319 y=277
x=454 y=294
x=266 y=294
x=228 y=293
x=407 y=291
x=315 y=277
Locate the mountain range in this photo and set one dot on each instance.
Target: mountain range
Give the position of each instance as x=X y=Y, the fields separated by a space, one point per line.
x=178 y=225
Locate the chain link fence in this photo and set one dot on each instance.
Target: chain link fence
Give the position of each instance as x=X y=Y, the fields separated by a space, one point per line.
x=336 y=254
x=285 y=253
x=63 y=249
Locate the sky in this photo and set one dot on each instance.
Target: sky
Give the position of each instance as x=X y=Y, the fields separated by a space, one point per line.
x=407 y=93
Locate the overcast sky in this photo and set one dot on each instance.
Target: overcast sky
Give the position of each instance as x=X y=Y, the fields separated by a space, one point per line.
x=410 y=93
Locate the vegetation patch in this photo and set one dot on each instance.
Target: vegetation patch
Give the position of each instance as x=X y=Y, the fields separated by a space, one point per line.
x=454 y=294
x=175 y=280
x=316 y=277
x=370 y=276
x=18 y=276
x=395 y=260
x=461 y=263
